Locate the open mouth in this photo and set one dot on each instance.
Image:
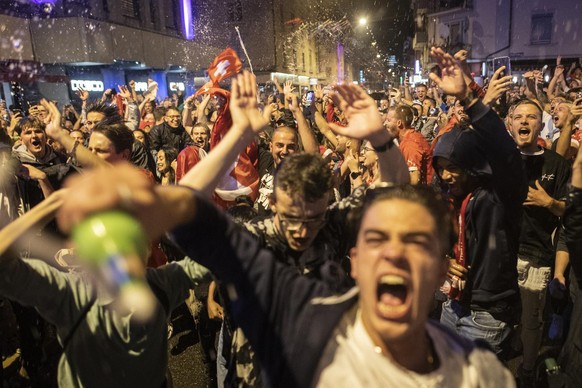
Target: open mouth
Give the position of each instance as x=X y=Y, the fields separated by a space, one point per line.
x=524 y=132
x=392 y=292
x=35 y=142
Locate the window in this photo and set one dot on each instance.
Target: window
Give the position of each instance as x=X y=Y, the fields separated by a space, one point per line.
x=235 y=11
x=172 y=14
x=456 y=33
x=130 y=8
x=541 y=28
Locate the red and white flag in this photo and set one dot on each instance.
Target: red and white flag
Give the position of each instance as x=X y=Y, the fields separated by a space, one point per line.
x=243 y=176
x=226 y=64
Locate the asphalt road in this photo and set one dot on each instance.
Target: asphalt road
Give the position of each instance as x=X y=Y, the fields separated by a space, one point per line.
x=185 y=353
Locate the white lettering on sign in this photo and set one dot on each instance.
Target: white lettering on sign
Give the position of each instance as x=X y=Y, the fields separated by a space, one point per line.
x=141 y=86
x=90 y=86
x=177 y=86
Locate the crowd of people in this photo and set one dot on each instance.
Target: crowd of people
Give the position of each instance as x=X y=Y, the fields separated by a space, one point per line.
x=324 y=233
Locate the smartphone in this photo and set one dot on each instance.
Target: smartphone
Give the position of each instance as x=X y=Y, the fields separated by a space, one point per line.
x=309 y=97
x=502 y=61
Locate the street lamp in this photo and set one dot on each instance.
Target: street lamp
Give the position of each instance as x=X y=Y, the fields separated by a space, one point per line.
x=363 y=21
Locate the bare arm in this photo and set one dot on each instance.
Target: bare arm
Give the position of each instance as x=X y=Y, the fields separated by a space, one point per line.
x=558 y=73
x=187 y=111
x=53 y=129
x=308 y=139
x=324 y=128
x=201 y=111
x=364 y=122
x=38 y=215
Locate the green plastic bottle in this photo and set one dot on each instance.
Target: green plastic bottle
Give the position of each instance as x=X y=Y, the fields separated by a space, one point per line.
x=114 y=246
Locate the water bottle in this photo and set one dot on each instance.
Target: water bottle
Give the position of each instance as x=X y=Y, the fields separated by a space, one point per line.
x=114 y=247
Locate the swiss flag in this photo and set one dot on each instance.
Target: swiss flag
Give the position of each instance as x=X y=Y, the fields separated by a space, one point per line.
x=226 y=64
x=243 y=177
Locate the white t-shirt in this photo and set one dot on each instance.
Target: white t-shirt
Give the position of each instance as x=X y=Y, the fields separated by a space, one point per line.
x=351 y=359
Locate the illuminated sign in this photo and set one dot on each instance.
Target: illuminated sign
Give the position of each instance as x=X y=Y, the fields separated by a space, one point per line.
x=90 y=86
x=177 y=86
x=141 y=86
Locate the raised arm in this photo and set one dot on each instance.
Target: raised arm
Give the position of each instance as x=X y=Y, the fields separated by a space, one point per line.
x=201 y=111
x=498 y=147
x=308 y=139
x=132 y=115
x=365 y=122
x=74 y=149
x=247 y=121
x=38 y=215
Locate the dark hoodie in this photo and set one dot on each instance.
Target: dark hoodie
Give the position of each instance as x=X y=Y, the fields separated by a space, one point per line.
x=493 y=215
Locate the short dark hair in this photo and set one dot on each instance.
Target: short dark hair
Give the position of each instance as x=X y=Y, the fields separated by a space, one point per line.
x=110 y=112
x=172 y=108
x=203 y=126
x=30 y=122
x=404 y=113
x=423 y=195
x=305 y=175
x=241 y=212
x=146 y=138
x=421 y=86
x=118 y=134
x=159 y=113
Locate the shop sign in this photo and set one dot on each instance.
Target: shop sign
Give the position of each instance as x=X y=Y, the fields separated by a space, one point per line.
x=88 y=85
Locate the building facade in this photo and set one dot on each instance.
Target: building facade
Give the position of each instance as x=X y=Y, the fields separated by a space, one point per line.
x=529 y=32
x=50 y=48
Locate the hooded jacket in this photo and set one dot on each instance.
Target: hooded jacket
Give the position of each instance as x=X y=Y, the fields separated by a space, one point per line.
x=493 y=215
x=52 y=164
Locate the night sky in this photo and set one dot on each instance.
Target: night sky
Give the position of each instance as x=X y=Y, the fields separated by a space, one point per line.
x=391 y=22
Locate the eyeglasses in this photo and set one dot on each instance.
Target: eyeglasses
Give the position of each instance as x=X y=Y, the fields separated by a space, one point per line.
x=295 y=224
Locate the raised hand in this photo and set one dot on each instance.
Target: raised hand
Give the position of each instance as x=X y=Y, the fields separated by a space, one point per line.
x=83 y=94
x=361 y=112
x=293 y=102
x=243 y=104
x=576 y=109
x=318 y=92
x=124 y=92
x=452 y=81
x=53 y=121
x=462 y=56
x=497 y=86
x=288 y=88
